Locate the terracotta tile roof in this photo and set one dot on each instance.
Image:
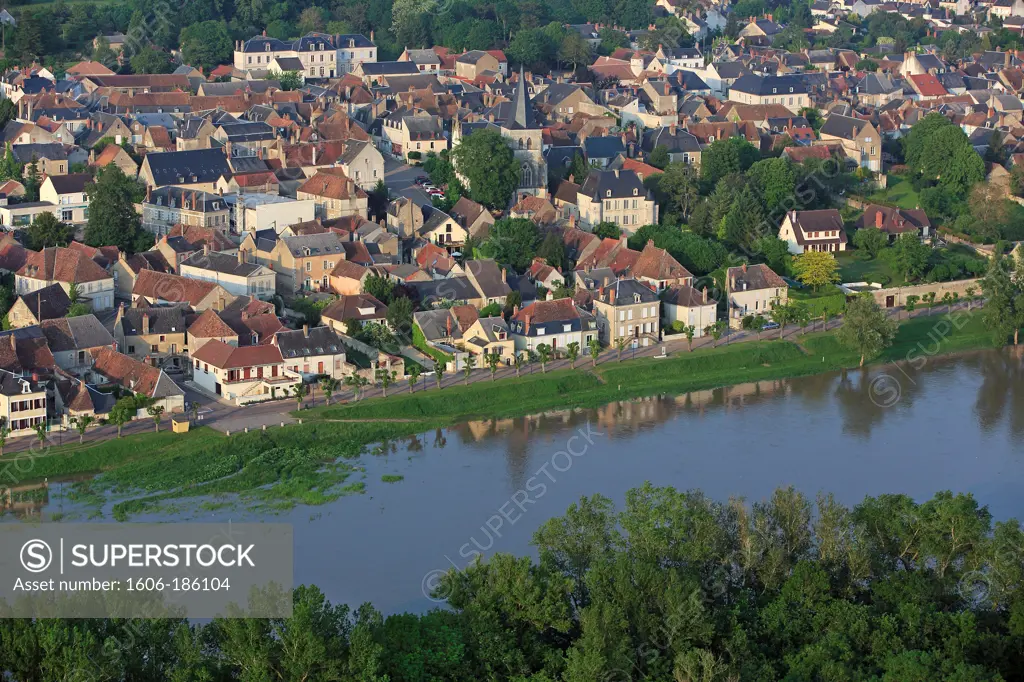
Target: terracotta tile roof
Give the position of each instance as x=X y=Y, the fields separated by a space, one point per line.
x=348 y=308
x=12 y=188
x=13 y=257
x=159 y=286
x=465 y=315
x=640 y=168
x=161 y=138
x=209 y=325
x=223 y=356
x=80 y=401
x=658 y=264
x=332 y=184
x=893 y=220
x=433 y=256
x=200 y=236
x=928 y=85
x=89 y=68
x=126 y=371
x=801 y=154
x=105 y=256
x=348 y=269
x=229 y=102
x=686 y=296
x=58 y=264
x=257 y=179
x=541 y=312
x=758 y=276
x=107 y=156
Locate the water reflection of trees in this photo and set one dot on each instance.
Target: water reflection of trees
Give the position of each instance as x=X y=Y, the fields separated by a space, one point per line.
x=866 y=396
x=1001 y=393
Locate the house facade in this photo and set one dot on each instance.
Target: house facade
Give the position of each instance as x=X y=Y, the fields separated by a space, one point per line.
x=753 y=290
x=554 y=323
x=813 y=231
x=628 y=312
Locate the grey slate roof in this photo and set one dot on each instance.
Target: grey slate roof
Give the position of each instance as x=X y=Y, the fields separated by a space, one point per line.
x=613 y=184
x=74 y=333
x=298 y=343
x=223 y=263
x=196 y=165
x=769 y=85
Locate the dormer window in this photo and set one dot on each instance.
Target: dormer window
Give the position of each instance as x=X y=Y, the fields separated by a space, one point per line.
x=266 y=47
x=607 y=192
x=635 y=191
x=636 y=298
x=26 y=387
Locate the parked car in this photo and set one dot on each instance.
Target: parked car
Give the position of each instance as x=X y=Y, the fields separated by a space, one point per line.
x=769 y=326
x=435 y=192
x=421 y=180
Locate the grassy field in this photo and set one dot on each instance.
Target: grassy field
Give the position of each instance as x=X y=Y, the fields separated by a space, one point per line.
x=854 y=266
x=899 y=193
x=312 y=463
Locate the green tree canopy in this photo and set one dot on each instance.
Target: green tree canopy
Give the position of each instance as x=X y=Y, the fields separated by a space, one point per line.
x=113 y=220
x=46 y=230
x=731 y=155
x=486 y=160
x=866 y=328
x=512 y=241
x=206 y=45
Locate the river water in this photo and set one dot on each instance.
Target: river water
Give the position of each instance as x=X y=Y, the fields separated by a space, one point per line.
x=486 y=486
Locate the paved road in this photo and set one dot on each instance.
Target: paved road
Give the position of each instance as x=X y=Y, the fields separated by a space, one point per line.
x=400 y=178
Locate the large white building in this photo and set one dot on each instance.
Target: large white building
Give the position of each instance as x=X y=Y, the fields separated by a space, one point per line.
x=319 y=54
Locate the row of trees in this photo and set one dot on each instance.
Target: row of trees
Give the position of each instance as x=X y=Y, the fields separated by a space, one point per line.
x=670 y=586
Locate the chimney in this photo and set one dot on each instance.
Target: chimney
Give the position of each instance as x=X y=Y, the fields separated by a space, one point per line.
x=305 y=331
x=504 y=275
x=878 y=220
x=14 y=344
x=149 y=194
x=650 y=243
x=206 y=249
x=600 y=293
x=616 y=173
x=732 y=283
x=744 y=268
x=705 y=294
x=448 y=325
x=221 y=304
x=572 y=178
x=1006 y=59
x=241 y=257
x=526 y=331
x=145 y=324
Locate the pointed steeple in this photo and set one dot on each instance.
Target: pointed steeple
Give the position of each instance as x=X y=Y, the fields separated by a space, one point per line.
x=522 y=115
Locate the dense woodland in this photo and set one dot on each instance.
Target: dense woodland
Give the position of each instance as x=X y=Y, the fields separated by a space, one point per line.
x=674 y=587
x=531 y=32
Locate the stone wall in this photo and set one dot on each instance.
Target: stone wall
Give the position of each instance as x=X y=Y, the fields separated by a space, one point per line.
x=896 y=297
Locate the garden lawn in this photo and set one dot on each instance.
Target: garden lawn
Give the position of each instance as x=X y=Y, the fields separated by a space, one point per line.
x=900 y=192
x=854 y=266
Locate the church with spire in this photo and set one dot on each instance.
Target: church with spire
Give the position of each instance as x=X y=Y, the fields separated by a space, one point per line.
x=517 y=122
